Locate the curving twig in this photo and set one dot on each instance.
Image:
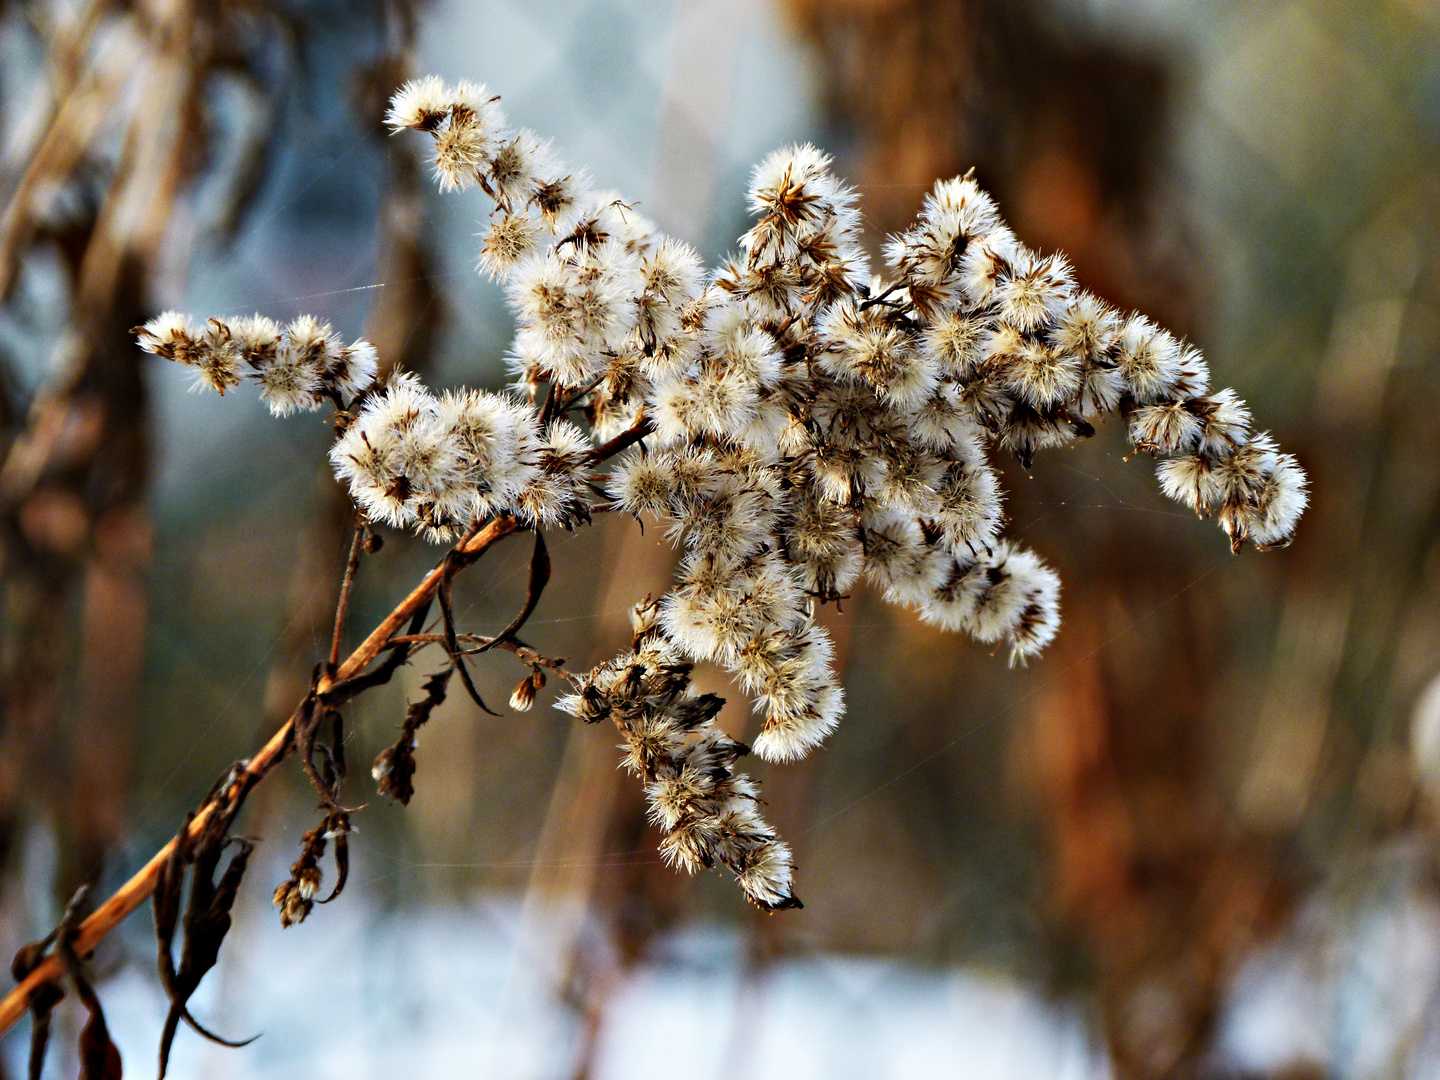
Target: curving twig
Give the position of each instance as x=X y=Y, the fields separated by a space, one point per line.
x=137 y=890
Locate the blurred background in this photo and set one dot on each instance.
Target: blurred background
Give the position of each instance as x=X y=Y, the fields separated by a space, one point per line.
x=1198 y=838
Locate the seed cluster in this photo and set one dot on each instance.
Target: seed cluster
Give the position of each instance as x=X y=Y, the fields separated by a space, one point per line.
x=298 y=367
x=805 y=424
x=709 y=813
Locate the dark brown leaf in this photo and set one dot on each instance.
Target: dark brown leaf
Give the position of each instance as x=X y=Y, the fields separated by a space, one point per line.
x=207 y=914
x=336 y=748
x=99 y=1057
x=339 y=826
x=395 y=768
x=308 y=722
x=452 y=646
x=43 y=999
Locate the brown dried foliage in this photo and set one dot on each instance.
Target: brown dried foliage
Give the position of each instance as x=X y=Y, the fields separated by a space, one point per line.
x=207 y=912
x=395 y=767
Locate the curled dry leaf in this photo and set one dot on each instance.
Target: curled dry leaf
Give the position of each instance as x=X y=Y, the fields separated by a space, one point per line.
x=295 y=897
x=99 y=1057
x=207 y=914
x=326 y=777
x=42 y=1001
x=539 y=578
x=394 y=769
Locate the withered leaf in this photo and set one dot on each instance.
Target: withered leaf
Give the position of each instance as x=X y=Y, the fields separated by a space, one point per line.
x=452 y=646
x=308 y=721
x=206 y=920
x=335 y=752
x=42 y=1004
x=339 y=830
x=99 y=1057
x=43 y=1000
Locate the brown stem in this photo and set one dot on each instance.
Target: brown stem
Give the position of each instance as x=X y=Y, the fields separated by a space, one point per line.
x=564 y=410
x=627 y=438
x=137 y=890
x=357 y=546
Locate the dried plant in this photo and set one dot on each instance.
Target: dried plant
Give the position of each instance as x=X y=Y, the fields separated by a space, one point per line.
x=796 y=422
x=99 y=1057
x=207 y=916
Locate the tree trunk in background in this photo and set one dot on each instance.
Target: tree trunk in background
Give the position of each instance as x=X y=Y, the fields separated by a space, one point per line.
x=1149 y=877
x=74 y=479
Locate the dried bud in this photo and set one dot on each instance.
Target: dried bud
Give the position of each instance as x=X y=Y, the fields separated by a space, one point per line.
x=382 y=768
x=307 y=882
x=292 y=906
x=524 y=696
x=644 y=616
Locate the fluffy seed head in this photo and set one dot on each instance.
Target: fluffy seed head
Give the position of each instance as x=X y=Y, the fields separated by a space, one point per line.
x=217 y=358
x=420 y=103
x=353 y=368
x=1149 y=359
x=1035 y=292
x=509 y=239
x=988 y=260
x=800 y=424
x=793 y=185
x=1087 y=327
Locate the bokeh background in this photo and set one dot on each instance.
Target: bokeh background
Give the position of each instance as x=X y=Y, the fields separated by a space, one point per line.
x=1197 y=838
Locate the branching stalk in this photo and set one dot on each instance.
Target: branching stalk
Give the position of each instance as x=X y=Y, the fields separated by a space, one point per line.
x=137 y=890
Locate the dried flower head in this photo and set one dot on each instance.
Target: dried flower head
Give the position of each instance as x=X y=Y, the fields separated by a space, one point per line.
x=796 y=423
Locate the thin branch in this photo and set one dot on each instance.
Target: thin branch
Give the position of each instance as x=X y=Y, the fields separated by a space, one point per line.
x=547 y=410
x=137 y=890
x=570 y=402
x=357 y=548
x=627 y=438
